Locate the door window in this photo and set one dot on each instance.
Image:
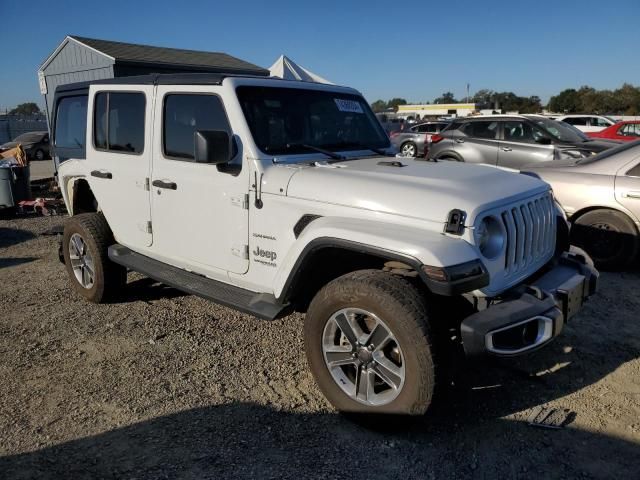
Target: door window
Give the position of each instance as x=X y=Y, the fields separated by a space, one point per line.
x=481 y=129
x=118 y=122
x=630 y=130
x=599 y=122
x=184 y=115
x=519 y=131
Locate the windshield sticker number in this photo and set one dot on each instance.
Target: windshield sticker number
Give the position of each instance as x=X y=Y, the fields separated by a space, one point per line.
x=350 y=106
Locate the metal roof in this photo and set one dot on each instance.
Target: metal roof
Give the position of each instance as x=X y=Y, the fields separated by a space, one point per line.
x=147 y=54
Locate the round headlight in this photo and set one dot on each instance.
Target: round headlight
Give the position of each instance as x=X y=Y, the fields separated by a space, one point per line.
x=489 y=237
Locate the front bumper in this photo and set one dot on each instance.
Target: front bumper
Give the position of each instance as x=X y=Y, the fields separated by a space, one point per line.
x=529 y=316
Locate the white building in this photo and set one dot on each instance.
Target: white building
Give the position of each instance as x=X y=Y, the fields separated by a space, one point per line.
x=436 y=110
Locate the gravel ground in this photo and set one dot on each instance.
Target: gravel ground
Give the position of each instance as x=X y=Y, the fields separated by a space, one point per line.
x=166 y=385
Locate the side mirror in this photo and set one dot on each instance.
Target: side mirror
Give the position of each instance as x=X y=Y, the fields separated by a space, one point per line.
x=544 y=141
x=212 y=146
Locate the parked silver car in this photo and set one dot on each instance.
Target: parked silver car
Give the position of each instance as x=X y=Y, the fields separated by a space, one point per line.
x=601 y=197
x=512 y=141
x=412 y=141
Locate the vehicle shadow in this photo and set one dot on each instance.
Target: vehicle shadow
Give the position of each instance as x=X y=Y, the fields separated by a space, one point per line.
x=146 y=289
x=243 y=440
x=11 y=262
x=13 y=236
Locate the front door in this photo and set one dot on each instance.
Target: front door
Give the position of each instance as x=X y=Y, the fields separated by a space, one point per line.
x=118 y=156
x=519 y=147
x=199 y=211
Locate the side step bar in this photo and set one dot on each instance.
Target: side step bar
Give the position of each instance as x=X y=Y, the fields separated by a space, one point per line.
x=262 y=305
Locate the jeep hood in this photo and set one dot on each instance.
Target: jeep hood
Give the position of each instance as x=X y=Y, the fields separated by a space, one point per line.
x=418 y=189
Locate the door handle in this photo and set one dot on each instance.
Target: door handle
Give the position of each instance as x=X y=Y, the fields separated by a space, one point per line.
x=459 y=140
x=505 y=149
x=163 y=184
x=635 y=195
x=99 y=174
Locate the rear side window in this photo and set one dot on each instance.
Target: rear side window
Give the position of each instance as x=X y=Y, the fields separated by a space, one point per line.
x=118 y=122
x=482 y=129
x=634 y=172
x=71 y=122
x=184 y=115
x=630 y=130
x=576 y=121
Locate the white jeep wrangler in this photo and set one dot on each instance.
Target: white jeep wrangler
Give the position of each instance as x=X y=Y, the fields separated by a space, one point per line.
x=270 y=196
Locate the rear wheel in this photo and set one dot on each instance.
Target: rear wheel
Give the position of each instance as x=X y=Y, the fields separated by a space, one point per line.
x=608 y=236
x=368 y=344
x=84 y=244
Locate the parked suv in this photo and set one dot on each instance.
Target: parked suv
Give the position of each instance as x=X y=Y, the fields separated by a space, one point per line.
x=414 y=141
x=587 y=123
x=270 y=196
x=511 y=141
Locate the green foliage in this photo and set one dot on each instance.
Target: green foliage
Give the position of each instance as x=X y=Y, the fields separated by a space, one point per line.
x=446 y=97
x=381 y=105
x=622 y=101
x=29 y=108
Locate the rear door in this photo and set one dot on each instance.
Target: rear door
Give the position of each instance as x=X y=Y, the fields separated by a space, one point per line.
x=119 y=155
x=478 y=142
x=628 y=187
x=518 y=146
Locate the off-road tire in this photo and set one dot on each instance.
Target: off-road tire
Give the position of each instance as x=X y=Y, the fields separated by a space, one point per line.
x=608 y=236
x=109 y=277
x=402 y=307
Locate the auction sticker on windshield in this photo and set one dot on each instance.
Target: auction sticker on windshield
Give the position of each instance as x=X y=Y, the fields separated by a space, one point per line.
x=351 y=106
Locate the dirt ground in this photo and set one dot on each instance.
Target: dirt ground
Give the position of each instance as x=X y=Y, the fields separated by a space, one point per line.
x=166 y=385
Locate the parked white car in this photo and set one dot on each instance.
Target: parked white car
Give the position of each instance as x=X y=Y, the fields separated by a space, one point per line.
x=270 y=196
x=587 y=123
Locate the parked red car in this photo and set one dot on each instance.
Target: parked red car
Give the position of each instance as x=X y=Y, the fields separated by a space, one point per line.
x=626 y=131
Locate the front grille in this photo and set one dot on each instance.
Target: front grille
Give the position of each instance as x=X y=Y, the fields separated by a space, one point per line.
x=531 y=233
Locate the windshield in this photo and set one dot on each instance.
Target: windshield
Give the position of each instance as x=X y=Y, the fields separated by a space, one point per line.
x=580 y=133
x=290 y=120
x=610 y=152
x=557 y=130
x=29 y=137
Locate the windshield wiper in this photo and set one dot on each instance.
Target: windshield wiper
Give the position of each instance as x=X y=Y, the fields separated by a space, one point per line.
x=328 y=153
x=376 y=150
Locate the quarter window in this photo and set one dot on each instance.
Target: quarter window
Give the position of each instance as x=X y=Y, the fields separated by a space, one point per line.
x=184 y=115
x=118 y=122
x=634 y=172
x=71 y=122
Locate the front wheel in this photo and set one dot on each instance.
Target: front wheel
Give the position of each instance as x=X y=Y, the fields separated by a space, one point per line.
x=368 y=344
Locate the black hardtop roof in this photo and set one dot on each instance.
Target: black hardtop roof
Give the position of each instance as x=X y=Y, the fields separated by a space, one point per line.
x=159 y=79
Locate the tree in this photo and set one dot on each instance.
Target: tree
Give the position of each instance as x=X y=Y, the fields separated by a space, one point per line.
x=566 y=101
x=446 y=97
x=379 y=106
x=394 y=102
x=29 y=108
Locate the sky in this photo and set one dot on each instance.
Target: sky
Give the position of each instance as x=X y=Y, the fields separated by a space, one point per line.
x=414 y=50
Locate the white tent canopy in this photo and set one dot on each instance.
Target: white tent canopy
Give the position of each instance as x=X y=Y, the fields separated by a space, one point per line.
x=287 y=69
